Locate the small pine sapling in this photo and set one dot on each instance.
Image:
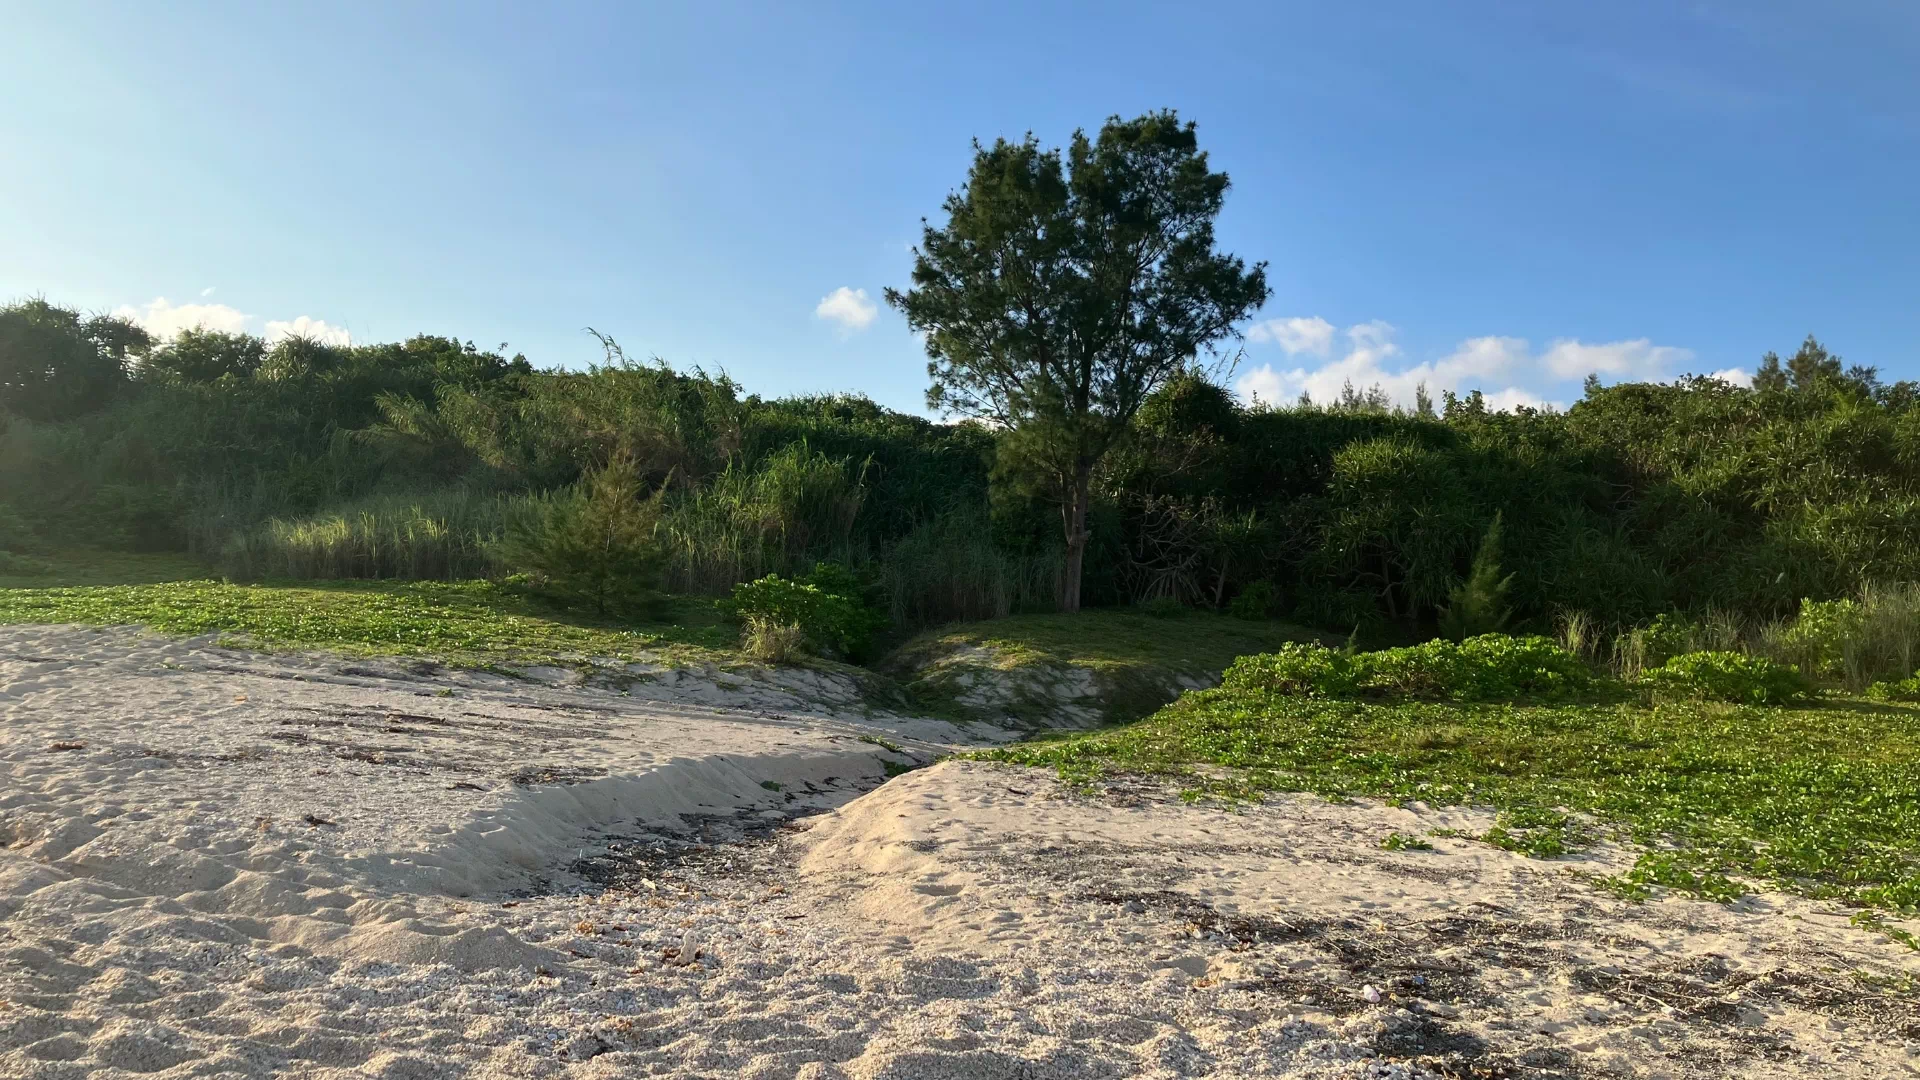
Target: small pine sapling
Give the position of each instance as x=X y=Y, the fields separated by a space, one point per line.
x=1479 y=604
x=594 y=546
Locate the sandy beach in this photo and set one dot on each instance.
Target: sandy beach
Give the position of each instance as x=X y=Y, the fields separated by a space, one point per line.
x=220 y=863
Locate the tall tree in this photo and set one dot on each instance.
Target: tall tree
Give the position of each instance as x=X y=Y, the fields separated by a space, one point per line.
x=1061 y=292
x=1810 y=368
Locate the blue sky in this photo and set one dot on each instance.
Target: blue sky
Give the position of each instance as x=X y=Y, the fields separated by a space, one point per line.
x=1501 y=195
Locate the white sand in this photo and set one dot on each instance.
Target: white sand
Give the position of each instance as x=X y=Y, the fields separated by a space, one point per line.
x=168 y=907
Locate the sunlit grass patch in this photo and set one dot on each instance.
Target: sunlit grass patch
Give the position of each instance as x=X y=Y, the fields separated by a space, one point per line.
x=1823 y=799
x=453 y=619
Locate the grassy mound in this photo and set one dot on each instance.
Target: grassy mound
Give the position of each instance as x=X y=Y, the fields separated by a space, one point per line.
x=1823 y=800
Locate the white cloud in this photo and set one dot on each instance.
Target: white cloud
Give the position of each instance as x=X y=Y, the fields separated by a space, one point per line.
x=848 y=307
x=1296 y=335
x=1513 y=397
x=163 y=319
x=1375 y=335
x=1366 y=365
x=208 y=291
x=1638 y=358
x=1734 y=375
x=308 y=327
x=1505 y=369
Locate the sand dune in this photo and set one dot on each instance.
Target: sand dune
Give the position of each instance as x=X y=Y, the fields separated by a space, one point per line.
x=219 y=863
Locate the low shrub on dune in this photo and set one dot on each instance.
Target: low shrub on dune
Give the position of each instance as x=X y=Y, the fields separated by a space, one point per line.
x=1727 y=676
x=1490 y=667
x=823 y=613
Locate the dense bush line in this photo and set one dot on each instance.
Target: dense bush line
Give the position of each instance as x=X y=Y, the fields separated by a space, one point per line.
x=413 y=459
x=1500 y=667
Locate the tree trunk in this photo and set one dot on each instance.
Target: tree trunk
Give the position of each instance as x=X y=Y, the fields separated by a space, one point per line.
x=1075 y=515
x=1386 y=589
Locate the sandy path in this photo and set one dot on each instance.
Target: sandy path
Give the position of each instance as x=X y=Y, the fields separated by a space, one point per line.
x=486 y=894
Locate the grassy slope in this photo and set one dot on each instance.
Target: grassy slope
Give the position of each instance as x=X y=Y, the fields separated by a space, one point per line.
x=1822 y=799
x=470 y=620
x=1133 y=658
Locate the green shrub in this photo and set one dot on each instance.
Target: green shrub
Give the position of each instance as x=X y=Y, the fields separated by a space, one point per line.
x=1727 y=676
x=1259 y=600
x=203 y=355
x=839 y=579
x=1907 y=689
x=1489 y=667
x=828 y=620
x=592 y=545
x=1670 y=634
x=1857 y=643
x=1818 y=640
x=56 y=363
x=1296 y=667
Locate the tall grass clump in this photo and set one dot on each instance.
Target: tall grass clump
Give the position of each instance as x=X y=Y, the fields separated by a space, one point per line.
x=794 y=508
x=949 y=570
x=1889 y=643
x=1578 y=634
x=772 y=642
x=439 y=536
x=1854 y=642
x=219 y=513
x=1851 y=643
x=1639 y=649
